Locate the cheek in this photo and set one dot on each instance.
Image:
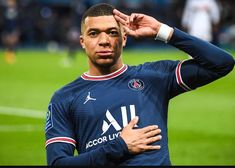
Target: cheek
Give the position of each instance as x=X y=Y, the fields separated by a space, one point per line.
x=118 y=44
x=90 y=46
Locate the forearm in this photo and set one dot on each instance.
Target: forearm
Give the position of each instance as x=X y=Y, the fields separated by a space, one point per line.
x=107 y=154
x=206 y=54
x=209 y=62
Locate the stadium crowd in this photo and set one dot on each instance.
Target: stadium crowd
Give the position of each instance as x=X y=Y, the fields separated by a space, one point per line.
x=41 y=22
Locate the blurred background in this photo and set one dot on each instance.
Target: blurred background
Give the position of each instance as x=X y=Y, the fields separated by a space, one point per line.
x=40 y=22
x=40 y=52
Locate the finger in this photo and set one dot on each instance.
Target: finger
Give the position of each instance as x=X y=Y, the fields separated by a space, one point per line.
x=133 y=122
x=153 y=139
x=133 y=17
x=152 y=147
x=127 y=30
x=120 y=14
x=149 y=147
x=119 y=19
x=136 y=17
x=149 y=128
x=130 y=32
x=152 y=133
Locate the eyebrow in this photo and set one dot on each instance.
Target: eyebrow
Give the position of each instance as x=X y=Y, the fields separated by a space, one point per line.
x=98 y=29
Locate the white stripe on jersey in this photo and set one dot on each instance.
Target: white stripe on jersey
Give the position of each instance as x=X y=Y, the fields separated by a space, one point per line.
x=179 y=78
x=61 y=139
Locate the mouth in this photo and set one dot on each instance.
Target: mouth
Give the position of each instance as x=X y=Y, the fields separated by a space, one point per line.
x=104 y=53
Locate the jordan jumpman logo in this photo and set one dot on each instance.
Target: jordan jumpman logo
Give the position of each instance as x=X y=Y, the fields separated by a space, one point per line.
x=89 y=98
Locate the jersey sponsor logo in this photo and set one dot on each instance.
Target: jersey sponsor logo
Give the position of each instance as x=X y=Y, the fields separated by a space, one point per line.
x=102 y=139
x=88 y=98
x=49 y=122
x=136 y=84
x=110 y=121
x=114 y=123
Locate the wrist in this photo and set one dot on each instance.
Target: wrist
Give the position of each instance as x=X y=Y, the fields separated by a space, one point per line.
x=164 y=33
x=123 y=144
x=116 y=149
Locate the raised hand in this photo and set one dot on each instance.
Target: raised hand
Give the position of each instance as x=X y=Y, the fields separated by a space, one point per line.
x=138 y=25
x=140 y=140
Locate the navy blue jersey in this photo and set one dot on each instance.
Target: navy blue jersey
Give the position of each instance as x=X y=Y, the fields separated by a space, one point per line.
x=89 y=113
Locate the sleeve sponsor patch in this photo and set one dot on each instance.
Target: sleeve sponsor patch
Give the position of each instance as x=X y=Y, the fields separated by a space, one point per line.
x=49 y=122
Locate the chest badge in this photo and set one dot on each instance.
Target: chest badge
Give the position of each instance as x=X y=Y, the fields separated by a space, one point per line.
x=136 y=84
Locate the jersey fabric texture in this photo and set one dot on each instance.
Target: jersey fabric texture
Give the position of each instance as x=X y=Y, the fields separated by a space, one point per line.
x=89 y=113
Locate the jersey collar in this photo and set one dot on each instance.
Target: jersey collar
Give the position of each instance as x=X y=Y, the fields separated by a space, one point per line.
x=115 y=74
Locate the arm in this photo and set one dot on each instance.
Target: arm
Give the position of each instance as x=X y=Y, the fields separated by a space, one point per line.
x=62 y=154
x=208 y=64
x=131 y=141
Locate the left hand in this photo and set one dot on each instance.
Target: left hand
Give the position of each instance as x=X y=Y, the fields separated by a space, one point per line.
x=137 y=24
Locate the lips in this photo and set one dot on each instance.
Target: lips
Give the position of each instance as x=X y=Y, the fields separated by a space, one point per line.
x=104 y=53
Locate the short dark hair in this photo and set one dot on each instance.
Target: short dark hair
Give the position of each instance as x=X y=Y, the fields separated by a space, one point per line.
x=101 y=9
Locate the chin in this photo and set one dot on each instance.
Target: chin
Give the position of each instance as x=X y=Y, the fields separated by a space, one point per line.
x=106 y=65
x=105 y=62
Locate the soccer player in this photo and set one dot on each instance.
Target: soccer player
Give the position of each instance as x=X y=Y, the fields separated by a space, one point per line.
x=112 y=113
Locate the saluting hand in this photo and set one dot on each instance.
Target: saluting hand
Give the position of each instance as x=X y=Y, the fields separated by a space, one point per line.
x=137 y=24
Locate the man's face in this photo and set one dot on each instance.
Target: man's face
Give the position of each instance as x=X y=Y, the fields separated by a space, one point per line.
x=102 y=40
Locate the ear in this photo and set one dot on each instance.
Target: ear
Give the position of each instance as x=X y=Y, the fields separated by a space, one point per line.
x=82 y=42
x=124 y=40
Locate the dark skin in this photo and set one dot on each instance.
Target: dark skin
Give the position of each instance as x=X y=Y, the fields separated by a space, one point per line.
x=103 y=39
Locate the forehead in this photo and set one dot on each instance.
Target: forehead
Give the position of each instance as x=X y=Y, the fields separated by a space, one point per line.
x=100 y=22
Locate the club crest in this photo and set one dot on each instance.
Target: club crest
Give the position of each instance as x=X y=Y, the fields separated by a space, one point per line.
x=136 y=84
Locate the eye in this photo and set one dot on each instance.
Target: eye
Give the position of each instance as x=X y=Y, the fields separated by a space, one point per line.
x=113 y=33
x=92 y=34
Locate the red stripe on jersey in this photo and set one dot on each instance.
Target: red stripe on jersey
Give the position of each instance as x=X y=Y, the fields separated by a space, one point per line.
x=61 y=139
x=105 y=77
x=179 y=78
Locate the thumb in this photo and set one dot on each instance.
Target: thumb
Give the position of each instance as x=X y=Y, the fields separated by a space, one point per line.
x=133 y=122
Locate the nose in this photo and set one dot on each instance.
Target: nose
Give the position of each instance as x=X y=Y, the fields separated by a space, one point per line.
x=104 y=39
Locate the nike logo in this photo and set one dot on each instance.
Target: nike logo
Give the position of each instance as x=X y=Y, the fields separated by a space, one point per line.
x=88 y=98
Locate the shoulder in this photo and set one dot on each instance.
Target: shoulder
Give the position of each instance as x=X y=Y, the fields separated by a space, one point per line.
x=68 y=91
x=163 y=65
